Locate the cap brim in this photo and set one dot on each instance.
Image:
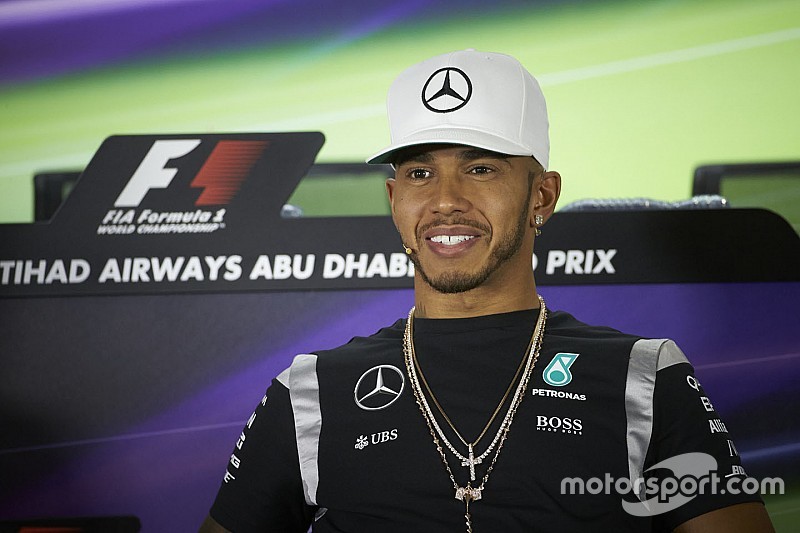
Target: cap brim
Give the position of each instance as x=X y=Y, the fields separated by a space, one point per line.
x=450 y=135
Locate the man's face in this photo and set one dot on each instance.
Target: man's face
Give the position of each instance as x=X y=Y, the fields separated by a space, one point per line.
x=465 y=213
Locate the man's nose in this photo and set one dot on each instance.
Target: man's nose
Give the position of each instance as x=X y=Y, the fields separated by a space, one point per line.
x=450 y=195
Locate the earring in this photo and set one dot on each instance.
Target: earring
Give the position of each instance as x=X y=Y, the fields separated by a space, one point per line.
x=407 y=249
x=538 y=220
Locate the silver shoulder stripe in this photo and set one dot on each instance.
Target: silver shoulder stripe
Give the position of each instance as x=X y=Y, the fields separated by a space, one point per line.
x=304 y=395
x=647 y=357
x=670 y=355
x=283 y=377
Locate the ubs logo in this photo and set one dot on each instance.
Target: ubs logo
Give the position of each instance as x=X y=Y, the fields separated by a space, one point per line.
x=379 y=387
x=447 y=90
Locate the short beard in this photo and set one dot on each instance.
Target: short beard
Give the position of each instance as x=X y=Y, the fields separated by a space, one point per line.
x=456 y=282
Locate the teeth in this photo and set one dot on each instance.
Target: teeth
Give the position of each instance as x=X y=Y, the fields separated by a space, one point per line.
x=451 y=239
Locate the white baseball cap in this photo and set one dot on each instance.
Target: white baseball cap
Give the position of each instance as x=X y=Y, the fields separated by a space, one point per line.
x=471 y=98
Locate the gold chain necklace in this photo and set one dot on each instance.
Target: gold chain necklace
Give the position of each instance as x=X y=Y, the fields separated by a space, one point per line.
x=470 y=460
x=470 y=493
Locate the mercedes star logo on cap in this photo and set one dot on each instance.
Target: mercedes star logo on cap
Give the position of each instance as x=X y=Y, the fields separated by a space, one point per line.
x=448 y=89
x=379 y=387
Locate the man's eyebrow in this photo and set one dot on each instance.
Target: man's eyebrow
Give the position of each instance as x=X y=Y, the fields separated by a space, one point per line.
x=470 y=154
x=415 y=157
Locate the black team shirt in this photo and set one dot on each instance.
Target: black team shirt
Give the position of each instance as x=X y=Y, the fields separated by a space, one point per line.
x=601 y=406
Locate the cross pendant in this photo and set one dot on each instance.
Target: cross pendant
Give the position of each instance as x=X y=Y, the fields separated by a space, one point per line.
x=471 y=461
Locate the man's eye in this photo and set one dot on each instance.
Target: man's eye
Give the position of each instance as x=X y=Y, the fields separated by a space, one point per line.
x=419 y=173
x=480 y=170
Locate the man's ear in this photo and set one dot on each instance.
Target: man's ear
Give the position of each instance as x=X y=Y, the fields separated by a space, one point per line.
x=547 y=189
x=390 y=183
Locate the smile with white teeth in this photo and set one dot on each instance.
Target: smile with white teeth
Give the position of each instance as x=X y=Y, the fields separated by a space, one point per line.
x=451 y=240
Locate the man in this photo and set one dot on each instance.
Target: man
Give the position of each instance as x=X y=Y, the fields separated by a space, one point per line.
x=454 y=423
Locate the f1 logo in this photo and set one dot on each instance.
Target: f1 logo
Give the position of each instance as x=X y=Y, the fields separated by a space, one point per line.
x=220 y=177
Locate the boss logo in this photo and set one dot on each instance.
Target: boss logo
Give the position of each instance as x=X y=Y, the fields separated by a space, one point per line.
x=572 y=426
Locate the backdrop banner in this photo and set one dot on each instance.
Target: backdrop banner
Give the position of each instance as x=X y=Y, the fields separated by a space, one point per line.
x=140 y=327
x=200 y=213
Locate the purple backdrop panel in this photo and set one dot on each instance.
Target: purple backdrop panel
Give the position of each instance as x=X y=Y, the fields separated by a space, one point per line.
x=132 y=404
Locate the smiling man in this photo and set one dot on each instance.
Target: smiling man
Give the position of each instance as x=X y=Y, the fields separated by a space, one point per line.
x=465 y=214
x=482 y=407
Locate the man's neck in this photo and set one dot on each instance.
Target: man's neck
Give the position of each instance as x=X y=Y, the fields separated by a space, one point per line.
x=484 y=300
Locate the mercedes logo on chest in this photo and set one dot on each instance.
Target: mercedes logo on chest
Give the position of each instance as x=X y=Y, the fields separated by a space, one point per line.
x=379 y=387
x=447 y=90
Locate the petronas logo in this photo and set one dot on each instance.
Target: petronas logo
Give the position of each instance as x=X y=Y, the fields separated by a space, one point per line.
x=557 y=372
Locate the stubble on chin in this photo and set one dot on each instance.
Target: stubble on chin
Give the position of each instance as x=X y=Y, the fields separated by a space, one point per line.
x=454 y=281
